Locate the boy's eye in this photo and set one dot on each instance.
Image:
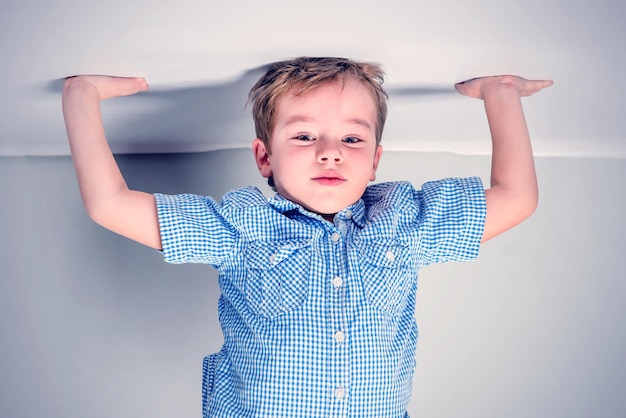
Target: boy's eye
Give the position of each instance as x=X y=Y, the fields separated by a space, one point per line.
x=352 y=140
x=304 y=137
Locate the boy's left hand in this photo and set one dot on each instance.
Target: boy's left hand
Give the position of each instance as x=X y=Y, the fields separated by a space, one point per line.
x=478 y=87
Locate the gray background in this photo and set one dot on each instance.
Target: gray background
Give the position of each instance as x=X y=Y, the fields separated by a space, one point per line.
x=94 y=325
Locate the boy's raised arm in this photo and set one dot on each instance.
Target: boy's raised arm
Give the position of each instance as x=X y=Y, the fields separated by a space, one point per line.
x=513 y=194
x=106 y=196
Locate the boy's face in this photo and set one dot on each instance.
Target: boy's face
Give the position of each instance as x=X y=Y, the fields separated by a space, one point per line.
x=323 y=147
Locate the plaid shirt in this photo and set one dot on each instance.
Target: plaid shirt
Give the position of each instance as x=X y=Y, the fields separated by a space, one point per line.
x=318 y=317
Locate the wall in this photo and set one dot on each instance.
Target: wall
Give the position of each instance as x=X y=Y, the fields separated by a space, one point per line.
x=95 y=325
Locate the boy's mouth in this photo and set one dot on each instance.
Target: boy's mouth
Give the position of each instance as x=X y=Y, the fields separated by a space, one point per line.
x=329 y=178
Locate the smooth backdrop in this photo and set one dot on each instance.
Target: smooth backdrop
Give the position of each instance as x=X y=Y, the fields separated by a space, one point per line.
x=94 y=325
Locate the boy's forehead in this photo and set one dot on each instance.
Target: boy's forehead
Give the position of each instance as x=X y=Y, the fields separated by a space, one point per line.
x=299 y=94
x=302 y=90
x=288 y=109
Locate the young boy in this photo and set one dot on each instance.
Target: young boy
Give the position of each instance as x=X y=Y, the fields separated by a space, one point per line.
x=318 y=283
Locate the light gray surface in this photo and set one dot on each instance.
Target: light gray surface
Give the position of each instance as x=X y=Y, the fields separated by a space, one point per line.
x=201 y=46
x=94 y=325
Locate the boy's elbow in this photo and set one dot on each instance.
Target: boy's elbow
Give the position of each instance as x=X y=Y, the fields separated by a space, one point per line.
x=523 y=208
x=97 y=213
x=530 y=207
x=526 y=204
x=104 y=207
x=535 y=204
x=100 y=212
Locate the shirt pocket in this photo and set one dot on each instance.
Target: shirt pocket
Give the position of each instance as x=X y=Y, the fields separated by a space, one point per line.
x=387 y=275
x=277 y=276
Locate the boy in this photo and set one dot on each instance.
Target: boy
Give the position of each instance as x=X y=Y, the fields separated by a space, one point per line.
x=318 y=283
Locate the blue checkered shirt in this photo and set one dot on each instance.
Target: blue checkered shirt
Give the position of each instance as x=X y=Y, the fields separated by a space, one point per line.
x=318 y=317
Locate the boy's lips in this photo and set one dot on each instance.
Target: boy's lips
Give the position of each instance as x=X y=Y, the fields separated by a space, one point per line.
x=329 y=178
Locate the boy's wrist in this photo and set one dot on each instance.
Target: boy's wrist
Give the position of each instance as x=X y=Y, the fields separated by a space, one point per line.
x=499 y=89
x=77 y=86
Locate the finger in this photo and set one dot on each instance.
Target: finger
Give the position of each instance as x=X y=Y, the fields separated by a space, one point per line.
x=461 y=88
x=541 y=83
x=545 y=84
x=536 y=85
x=131 y=85
x=467 y=81
x=143 y=83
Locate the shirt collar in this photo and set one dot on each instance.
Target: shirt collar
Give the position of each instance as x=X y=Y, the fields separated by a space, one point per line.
x=355 y=212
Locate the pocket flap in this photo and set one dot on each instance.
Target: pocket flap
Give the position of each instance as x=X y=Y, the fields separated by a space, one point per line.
x=386 y=255
x=264 y=255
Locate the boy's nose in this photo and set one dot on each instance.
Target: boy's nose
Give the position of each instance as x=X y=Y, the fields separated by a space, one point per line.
x=329 y=153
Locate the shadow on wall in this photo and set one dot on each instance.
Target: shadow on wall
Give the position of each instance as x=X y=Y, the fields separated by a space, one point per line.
x=189 y=119
x=197 y=119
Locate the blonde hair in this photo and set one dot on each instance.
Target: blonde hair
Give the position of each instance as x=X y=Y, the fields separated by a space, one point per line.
x=305 y=74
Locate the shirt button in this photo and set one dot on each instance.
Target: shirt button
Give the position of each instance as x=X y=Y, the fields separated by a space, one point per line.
x=340 y=393
x=335 y=237
x=348 y=214
x=340 y=336
x=337 y=282
x=390 y=255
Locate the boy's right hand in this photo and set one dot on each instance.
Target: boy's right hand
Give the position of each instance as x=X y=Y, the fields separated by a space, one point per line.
x=107 y=198
x=106 y=87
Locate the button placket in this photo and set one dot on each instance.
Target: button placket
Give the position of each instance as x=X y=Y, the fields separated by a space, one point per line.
x=339 y=351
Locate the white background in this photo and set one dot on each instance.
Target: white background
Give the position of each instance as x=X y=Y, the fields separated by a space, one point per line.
x=197 y=56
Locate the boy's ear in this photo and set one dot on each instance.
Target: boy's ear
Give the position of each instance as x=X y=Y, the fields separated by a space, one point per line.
x=261 y=156
x=377 y=155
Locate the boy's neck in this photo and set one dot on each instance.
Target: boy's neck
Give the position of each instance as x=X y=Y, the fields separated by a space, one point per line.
x=330 y=217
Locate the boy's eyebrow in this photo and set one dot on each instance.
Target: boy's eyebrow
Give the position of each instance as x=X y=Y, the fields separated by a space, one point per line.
x=304 y=118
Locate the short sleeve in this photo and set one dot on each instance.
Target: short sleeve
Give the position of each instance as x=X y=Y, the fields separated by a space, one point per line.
x=451 y=219
x=194 y=229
